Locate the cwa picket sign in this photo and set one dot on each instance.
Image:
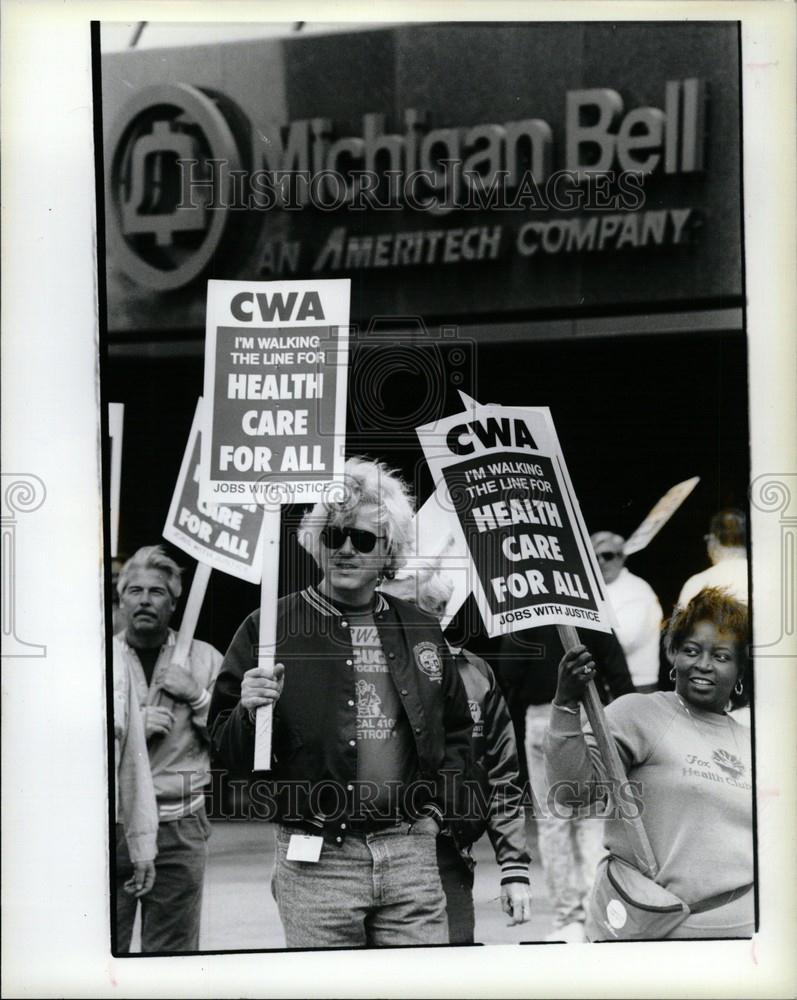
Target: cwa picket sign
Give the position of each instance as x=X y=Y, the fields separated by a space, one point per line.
x=507 y=482
x=276 y=356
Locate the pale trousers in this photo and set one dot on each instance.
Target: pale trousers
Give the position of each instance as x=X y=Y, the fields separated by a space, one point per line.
x=570 y=847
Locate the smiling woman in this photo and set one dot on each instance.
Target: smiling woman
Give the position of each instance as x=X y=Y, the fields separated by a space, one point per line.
x=688 y=761
x=706 y=643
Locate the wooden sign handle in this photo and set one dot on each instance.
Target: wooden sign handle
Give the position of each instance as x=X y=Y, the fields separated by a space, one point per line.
x=267 y=639
x=637 y=836
x=182 y=644
x=193 y=606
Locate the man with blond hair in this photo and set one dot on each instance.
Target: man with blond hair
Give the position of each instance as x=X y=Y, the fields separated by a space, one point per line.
x=371 y=730
x=174 y=700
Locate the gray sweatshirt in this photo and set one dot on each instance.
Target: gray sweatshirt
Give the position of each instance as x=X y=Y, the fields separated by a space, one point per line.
x=694 y=772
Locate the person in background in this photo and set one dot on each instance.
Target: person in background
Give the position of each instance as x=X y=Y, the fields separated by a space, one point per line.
x=637 y=610
x=370 y=730
x=690 y=760
x=495 y=805
x=570 y=845
x=726 y=543
x=174 y=703
x=136 y=808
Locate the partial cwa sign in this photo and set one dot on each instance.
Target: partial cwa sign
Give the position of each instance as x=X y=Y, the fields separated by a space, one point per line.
x=225 y=537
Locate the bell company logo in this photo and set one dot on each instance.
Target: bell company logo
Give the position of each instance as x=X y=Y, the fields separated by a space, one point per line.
x=185 y=162
x=157 y=239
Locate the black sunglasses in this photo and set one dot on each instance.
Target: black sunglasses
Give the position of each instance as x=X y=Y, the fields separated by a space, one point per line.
x=335 y=538
x=607 y=556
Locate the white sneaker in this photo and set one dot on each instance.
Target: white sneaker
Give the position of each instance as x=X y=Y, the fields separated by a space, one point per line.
x=572 y=933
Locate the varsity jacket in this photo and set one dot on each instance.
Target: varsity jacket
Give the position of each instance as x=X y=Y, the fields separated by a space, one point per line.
x=492 y=795
x=314 y=745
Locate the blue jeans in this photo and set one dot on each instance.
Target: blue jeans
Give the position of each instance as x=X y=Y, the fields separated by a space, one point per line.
x=374 y=890
x=171 y=910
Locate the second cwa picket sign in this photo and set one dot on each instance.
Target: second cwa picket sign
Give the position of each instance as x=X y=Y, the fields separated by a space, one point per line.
x=507 y=482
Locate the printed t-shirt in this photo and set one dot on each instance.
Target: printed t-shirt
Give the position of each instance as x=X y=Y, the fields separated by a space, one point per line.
x=385 y=747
